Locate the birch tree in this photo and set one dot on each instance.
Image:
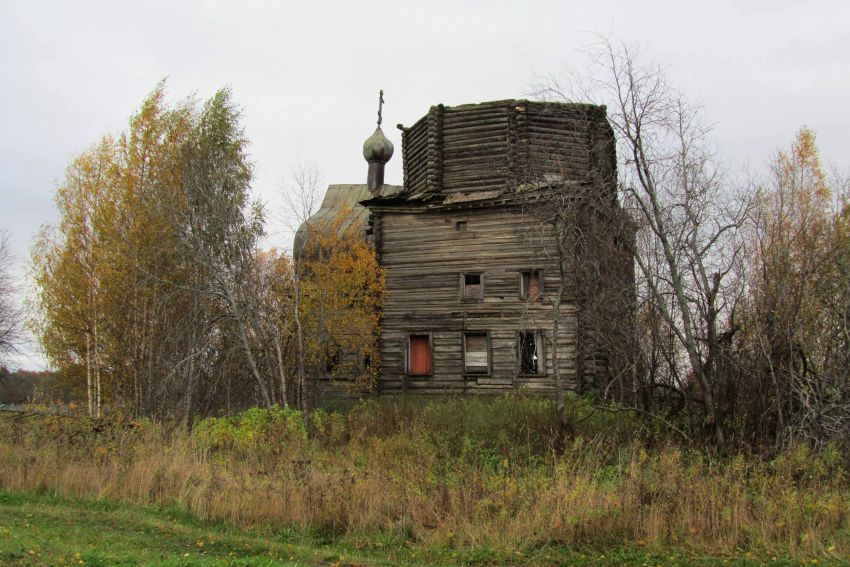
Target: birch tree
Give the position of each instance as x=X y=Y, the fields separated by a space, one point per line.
x=70 y=271
x=301 y=194
x=797 y=340
x=146 y=296
x=224 y=226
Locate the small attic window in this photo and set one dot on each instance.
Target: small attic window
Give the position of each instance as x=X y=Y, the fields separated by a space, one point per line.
x=460 y=225
x=471 y=287
x=531 y=284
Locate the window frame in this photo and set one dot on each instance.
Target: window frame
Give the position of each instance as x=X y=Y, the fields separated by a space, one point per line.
x=489 y=369
x=430 y=336
x=462 y=293
x=540 y=350
x=523 y=292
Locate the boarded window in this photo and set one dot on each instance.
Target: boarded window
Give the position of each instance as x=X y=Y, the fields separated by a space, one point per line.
x=530 y=352
x=419 y=356
x=476 y=353
x=531 y=284
x=472 y=286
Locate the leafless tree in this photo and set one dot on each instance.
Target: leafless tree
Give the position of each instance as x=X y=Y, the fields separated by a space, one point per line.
x=273 y=318
x=686 y=215
x=11 y=315
x=301 y=195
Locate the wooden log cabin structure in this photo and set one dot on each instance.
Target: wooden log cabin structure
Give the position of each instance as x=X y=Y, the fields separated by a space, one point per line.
x=486 y=286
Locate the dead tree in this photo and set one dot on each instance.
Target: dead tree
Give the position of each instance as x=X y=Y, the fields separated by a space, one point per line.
x=687 y=217
x=11 y=316
x=301 y=194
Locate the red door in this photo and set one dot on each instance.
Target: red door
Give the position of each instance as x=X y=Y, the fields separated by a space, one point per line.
x=420 y=355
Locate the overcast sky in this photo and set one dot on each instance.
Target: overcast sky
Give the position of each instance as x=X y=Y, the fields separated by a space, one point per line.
x=307 y=73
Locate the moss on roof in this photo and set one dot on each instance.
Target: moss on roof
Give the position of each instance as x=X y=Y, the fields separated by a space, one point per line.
x=342 y=210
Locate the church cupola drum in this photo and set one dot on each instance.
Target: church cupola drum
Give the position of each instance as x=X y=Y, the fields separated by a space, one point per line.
x=377 y=150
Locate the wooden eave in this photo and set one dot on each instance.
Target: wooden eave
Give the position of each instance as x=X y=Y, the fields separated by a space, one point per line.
x=467 y=200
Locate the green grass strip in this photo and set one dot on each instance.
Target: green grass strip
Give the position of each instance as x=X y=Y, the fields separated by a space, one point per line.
x=43 y=529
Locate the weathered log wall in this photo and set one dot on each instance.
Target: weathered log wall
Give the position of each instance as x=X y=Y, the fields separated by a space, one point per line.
x=424 y=254
x=461 y=211
x=496 y=145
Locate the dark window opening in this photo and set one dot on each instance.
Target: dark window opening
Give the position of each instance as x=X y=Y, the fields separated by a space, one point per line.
x=529 y=353
x=367 y=362
x=476 y=353
x=472 y=287
x=460 y=226
x=419 y=355
x=531 y=284
x=331 y=361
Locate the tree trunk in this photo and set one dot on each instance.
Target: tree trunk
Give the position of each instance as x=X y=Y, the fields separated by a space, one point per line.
x=239 y=317
x=299 y=333
x=98 y=402
x=281 y=369
x=243 y=336
x=89 y=384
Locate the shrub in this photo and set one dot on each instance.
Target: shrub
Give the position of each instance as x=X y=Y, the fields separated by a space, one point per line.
x=254 y=430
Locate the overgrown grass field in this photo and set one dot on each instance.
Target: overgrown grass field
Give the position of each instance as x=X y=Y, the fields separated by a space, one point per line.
x=452 y=481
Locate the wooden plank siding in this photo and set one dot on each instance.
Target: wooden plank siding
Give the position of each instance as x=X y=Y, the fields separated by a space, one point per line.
x=424 y=256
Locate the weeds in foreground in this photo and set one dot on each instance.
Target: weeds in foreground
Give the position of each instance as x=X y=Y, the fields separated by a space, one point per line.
x=453 y=473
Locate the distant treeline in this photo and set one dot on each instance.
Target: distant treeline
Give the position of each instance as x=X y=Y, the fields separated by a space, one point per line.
x=23 y=386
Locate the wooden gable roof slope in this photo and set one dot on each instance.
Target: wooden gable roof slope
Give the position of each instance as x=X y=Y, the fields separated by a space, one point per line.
x=340 y=211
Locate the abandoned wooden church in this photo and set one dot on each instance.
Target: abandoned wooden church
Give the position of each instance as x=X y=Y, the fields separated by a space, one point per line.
x=506 y=264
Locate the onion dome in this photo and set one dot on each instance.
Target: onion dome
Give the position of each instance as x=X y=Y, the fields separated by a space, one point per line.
x=377 y=147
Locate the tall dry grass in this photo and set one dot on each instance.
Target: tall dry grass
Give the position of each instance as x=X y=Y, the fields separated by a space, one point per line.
x=453 y=472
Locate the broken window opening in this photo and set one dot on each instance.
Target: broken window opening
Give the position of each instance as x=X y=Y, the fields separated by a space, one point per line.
x=472 y=286
x=531 y=284
x=530 y=352
x=476 y=353
x=419 y=355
